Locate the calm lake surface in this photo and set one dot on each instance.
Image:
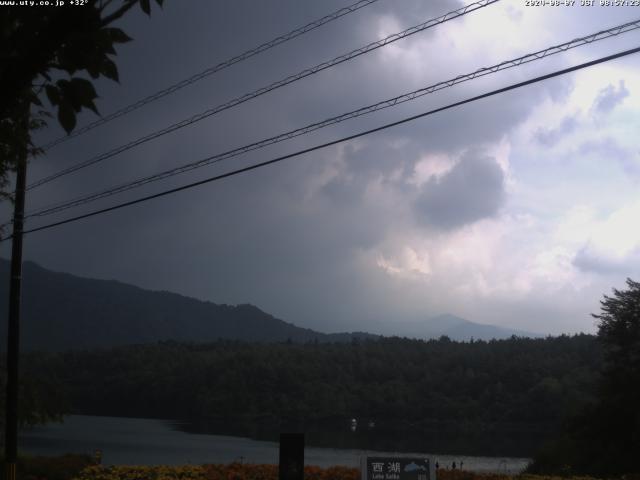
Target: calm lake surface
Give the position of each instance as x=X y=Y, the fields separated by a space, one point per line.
x=131 y=441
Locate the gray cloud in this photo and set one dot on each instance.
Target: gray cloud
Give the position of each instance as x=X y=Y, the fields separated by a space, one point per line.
x=611 y=151
x=514 y=13
x=589 y=261
x=606 y=147
x=550 y=136
x=472 y=190
x=287 y=237
x=609 y=98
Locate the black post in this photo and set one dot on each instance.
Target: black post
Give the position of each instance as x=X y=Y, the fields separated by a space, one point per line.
x=13 y=337
x=291 y=456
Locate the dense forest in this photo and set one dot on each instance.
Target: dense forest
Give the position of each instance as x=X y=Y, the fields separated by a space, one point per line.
x=523 y=386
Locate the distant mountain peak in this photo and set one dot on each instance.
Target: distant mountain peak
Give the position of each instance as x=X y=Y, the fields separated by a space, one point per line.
x=457 y=328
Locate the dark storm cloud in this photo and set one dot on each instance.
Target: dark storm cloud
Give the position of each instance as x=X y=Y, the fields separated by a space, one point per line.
x=490 y=119
x=472 y=190
x=287 y=237
x=610 y=97
x=550 y=136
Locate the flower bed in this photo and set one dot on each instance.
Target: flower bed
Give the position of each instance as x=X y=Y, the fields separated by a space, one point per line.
x=76 y=467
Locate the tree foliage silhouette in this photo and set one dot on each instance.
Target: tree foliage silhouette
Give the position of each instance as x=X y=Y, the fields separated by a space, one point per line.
x=619 y=407
x=43 y=49
x=47 y=49
x=604 y=439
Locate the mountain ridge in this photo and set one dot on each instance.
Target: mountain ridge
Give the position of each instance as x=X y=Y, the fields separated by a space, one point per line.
x=62 y=311
x=457 y=328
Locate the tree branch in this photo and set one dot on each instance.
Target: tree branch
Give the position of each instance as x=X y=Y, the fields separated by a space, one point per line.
x=118 y=13
x=104 y=4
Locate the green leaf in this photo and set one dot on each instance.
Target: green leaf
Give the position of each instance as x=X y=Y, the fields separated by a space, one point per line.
x=93 y=63
x=68 y=95
x=77 y=93
x=84 y=93
x=66 y=60
x=84 y=88
x=110 y=70
x=92 y=106
x=35 y=100
x=53 y=94
x=102 y=42
x=117 y=35
x=66 y=117
x=93 y=70
x=146 y=6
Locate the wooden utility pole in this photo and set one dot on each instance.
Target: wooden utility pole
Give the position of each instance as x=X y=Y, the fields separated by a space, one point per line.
x=13 y=337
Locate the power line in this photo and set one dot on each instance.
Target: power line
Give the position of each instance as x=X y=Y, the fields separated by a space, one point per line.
x=335 y=142
x=530 y=57
x=261 y=91
x=211 y=70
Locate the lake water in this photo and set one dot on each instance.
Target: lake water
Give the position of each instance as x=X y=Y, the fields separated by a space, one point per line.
x=131 y=441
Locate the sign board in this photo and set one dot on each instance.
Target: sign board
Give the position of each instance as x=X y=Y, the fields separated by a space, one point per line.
x=398 y=468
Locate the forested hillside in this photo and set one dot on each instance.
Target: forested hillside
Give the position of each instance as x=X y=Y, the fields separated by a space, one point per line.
x=62 y=311
x=525 y=386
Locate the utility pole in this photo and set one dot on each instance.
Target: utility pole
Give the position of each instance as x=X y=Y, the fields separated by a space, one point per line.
x=13 y=337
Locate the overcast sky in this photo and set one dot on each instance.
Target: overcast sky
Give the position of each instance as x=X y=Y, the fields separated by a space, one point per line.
x=519 y=210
